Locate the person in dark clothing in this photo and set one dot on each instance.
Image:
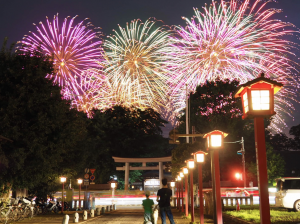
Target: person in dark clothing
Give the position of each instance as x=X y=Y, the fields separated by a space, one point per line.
x=163 y=197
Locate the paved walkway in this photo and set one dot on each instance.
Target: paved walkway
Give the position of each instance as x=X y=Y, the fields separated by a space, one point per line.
x=123 y=215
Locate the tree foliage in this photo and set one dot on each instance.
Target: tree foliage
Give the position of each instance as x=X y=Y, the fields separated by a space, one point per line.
x=45 y=132
x=275 y=165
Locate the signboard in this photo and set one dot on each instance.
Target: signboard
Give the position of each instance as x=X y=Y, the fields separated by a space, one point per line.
x=86 y=176
x=92 y=170
x=86 y=182
x=92 y=177
x=86 y=170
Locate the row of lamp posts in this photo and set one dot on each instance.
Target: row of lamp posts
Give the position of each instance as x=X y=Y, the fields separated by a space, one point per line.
x=257 y=102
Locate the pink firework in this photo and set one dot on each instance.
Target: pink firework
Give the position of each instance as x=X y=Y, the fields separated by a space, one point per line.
x=75 y=48
x=233 y=40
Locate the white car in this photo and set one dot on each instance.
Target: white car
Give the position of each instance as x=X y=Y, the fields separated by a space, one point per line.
x=288 y=193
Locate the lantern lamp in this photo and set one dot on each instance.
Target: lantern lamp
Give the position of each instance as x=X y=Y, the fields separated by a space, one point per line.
x=185 y=170
x=199 y=156
x=215 y=139
x=181 y=174
x=172 y=183
x=258 y=97
x=190 y=163
x=63 y=179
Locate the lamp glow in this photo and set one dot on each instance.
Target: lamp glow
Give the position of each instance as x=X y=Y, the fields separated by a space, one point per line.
x=181 y=174
x=112 y=185
x=172 y=183
x=185 y=170
x=63 y=179
x=190 y=164
x=216 y=140
x=200 y=158
x=79 y=181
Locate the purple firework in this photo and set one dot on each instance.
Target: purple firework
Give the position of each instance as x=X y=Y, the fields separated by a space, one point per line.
x=75 y=48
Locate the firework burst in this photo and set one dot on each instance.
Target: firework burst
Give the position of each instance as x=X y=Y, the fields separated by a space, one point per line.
x=138 y=57
x=95 y=92
x=74 y=47
x=235 y=41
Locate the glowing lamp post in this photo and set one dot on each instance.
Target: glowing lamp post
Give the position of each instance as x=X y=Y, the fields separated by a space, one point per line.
x=191 y=164
x=215 y=140
x=181 y=175
x=178 y=191
x=199 y=158
x=63 y=180
x=113 y=186
x=79 y=181
x=186 y=173
x=258 y=102
x=172 y=184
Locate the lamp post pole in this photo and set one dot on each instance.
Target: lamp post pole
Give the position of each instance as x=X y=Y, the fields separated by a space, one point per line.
x=178 y=193
x=261 y=161
x=185 y=172
x=191 y=165
x=62 y=206
x=63 y=180
x=200 y=193
x=216 y=187
x=79 y=183
x=182 y=208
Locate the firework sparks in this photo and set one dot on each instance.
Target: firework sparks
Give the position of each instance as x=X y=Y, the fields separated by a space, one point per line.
x=95 y=91
x=137 y=60
x=236 y=41
x=75 y=48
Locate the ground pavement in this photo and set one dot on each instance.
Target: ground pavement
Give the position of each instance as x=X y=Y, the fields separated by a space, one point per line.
x=123 y=215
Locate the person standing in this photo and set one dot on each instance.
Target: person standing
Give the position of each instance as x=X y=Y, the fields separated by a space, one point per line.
x=163 y=197
x=147 y=204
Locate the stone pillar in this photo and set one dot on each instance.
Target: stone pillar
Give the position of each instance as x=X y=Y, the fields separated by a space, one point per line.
x=126 y=176
x=161 y=173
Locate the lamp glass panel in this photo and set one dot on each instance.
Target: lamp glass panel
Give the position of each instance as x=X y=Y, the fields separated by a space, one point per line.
x=178 y=178
x=245 y=102
x=260 y=99
x=185 y=170
x=79 y=181
x=181 y=174
x=200 y=158
x=216 y=140
x=63 y=179
x=191 y=164
x=172 y=184
x=113 y=185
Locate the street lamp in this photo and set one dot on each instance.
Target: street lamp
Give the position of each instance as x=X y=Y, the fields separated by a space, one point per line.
x=258 y=102
x=199 y=158
x=172 y=184
x=112 y=185
x=63 y=180
x=191 y=164
x=186 y=173
x=79 y=181
x=215 y=140
x=181 y=175
x=178 y=190
x=238 y=176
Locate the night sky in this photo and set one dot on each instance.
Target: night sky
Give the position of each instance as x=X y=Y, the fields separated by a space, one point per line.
x=17 y=16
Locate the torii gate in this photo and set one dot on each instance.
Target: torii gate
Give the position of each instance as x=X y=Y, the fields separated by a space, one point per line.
x=144 y=161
